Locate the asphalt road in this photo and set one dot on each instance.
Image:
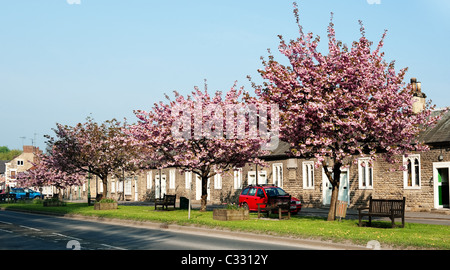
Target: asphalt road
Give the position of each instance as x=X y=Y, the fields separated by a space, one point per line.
x=24 y=231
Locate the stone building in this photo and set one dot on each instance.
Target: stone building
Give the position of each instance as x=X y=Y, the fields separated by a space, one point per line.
x=19 y=164
x=424 y=181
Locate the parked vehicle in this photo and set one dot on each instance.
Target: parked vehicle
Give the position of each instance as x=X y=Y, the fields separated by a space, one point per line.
x=252 y=195
x=25 y=193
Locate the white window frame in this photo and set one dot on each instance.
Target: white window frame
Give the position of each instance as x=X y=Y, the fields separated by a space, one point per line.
x=149 y=180
x=20 y=162
x=262 y=177
x=308 y=174
x=127 y=186
x=113 y=186
x=172 y=178
x=218 y=181
x=277 y=174
x=413 y=172
x=237 y=178
x=365 y=174
x=188 y=180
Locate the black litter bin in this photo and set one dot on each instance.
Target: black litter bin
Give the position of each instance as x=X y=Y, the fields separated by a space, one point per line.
x=184 y=203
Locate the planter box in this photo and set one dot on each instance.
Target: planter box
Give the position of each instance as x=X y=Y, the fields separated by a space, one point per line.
x=53 y=203
x=228 y=214
x=105 y=206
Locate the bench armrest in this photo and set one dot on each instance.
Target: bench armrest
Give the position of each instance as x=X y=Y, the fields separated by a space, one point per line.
x=363 y=208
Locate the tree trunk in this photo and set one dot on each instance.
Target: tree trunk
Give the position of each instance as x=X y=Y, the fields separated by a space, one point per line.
x=335 y=180
x=204 y=193
x=334 y=198
x=105 y=187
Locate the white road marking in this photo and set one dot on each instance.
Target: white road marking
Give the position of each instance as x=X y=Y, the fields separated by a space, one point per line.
x=66 y=236
x=109 y=246
x=30 y=228
x=4 y=222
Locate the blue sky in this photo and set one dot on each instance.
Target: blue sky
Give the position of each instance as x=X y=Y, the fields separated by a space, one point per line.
x=63 y=60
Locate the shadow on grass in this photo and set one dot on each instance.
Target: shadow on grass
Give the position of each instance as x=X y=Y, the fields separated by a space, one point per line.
x=378 y=224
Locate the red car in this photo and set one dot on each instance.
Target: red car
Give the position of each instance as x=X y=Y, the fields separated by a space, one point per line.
x=252 y=195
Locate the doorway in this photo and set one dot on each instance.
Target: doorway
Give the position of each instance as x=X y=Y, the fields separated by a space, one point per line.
x=441 y=175
x=160 y=186
x=343 y=187
x=198 y=188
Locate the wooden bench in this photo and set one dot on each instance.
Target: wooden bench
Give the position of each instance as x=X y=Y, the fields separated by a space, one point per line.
x=384 y=208
x=278 y=204
x=166 y=201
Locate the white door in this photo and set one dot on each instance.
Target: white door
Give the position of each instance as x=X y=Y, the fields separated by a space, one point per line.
x=159 y=192
x=198 y=188
x=343 y=187
x=441 y=175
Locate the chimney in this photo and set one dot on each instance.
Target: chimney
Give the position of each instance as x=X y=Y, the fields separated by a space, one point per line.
x=28 y=149
x=418 y=96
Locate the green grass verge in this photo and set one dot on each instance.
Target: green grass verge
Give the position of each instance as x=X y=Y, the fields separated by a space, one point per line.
x=413 y=236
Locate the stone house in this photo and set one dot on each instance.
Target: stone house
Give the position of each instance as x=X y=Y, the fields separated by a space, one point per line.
x=424 y=181
x=19 y=164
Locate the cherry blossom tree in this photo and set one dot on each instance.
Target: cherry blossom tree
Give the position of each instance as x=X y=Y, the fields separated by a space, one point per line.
x=202 y=133
x=92 y=148
x=44 y=173
x=347 y=103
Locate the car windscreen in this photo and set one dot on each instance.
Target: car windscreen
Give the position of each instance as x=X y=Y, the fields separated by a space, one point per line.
x=275 y=192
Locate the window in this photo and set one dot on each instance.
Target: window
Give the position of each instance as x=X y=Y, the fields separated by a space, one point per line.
x=238 y=178
x=260 y=193
x=277 y=174
x=149 y=179
x=217 y=181
x=128 y=186
x=308 y=174
x=172 y=178
x=120 y=186
x=113 y=186
x=411 y=174
x=188 y=179
x=20 y=163
x=365 y=173
x=262 y=178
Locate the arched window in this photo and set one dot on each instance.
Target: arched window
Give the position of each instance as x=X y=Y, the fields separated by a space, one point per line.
x=365 y=173
x=412 y=172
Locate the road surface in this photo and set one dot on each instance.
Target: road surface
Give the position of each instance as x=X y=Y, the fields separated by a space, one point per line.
x=24 y=231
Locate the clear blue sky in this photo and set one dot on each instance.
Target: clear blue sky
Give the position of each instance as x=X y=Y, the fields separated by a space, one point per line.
x=61 y=62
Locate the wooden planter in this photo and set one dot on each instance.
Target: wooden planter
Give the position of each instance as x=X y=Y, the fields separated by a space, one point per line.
x=53 y=203
x=105 y=206
x=229 y=214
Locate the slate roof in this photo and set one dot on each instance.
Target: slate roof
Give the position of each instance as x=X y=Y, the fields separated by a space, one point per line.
x=440 y=133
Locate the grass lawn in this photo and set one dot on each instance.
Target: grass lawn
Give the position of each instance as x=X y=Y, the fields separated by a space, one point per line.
x=413 y=236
